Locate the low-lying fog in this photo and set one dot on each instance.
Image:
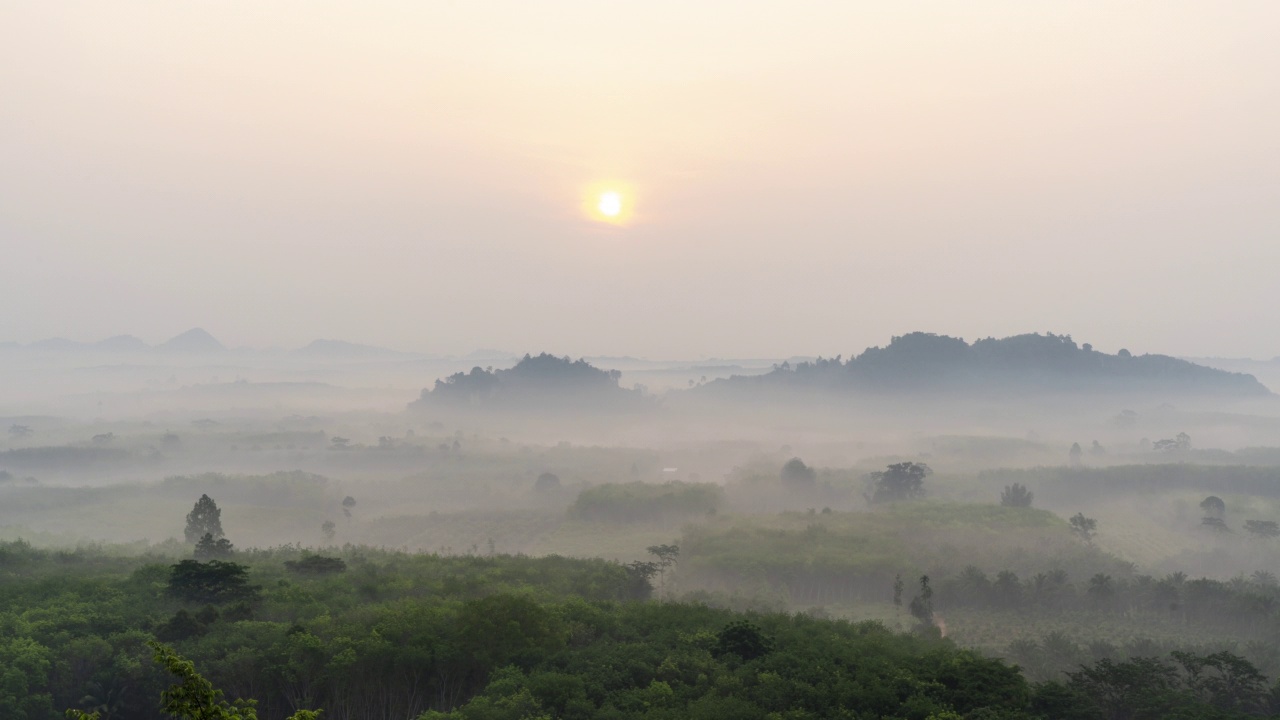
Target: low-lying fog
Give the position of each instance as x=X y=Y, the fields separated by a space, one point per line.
x=787 y=483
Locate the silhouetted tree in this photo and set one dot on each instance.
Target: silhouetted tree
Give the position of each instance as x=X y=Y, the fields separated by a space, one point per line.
x=798 y=476
x=547 y=482
x=209 y=549
x=328 y=530
x=667 y=556
x=1213 y=506
x=348 y=502
x=897 y=593
x=1074 y=455
x=1262 y=528
x=1007 y=589
x=900 y=481
x=1215 y=523
x=204 y=518
x=1016 y=495
x=921 y=606
x=1181 y=441
x=1101 y=588
x=1084 y=528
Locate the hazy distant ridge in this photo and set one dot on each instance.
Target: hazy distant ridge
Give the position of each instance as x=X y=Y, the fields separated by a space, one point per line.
x=1031 y=362
x=540 y=380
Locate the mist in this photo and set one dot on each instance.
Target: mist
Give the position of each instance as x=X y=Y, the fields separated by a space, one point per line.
x=578 y=360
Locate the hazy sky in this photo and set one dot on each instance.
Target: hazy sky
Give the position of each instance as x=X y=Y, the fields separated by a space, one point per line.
x=806 y=177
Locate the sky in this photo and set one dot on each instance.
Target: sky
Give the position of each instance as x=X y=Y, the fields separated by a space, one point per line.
x=800 y=178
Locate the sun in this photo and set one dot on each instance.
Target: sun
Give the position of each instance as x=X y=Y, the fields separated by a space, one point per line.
x=610 y=204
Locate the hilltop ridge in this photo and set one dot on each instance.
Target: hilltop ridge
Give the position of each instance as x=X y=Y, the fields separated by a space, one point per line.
x=1031 y=362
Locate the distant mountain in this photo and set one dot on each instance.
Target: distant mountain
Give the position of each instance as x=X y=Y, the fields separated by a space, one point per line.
x=1022 y=364
x=542 y=382
x=343 y=350
x=195 y=340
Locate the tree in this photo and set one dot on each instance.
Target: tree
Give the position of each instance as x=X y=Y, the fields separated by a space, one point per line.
x=1213 y=506
x=1084 y=528
x=204 y=518
x=209 y=549
x=182 y=626
x=213 y=582
x=1223 y=680
x=743 y=639
x=1265 y=578
x=1074 y=455
x=1181 y=441
x=1016 y=495
x=348 y=502
x=641 y=573
x=667 y=556
x=900 y=481
x=328 y=529
x=921 y=606
x=20 y=431
x=1007 y=589
x=339 y=443
x=547 y=482
x=1215 y=523
x=798 y=476
x=1262 y=528
x=1101 y=588
x=897 y=593
x=195 y=698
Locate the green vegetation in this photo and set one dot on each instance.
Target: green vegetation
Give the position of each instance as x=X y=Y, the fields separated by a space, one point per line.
x=513 y=637
x=694 y=616
x=823 y=558
x=646 y=502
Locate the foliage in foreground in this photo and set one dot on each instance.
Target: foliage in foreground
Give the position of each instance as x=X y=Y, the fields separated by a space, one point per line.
x=498 y=638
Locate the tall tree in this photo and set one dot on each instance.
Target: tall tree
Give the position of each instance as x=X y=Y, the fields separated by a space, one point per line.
x=1074 y=455
x=667 y=556
x=204 y=518
x=921 y=606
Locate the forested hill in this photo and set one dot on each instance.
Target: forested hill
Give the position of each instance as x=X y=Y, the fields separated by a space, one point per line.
x=1021 y=363
x=539 y=381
